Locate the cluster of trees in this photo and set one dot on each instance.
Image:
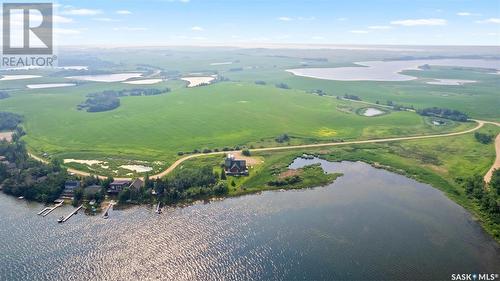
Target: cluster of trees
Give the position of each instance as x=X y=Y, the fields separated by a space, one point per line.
x=396 y=106
x=109 y=99
x=483 y=138
x=22 y=176
x=208 y=150
x=444 y=113
x=318 y=92
x=488 y=197
x=9 y=121
x=4 y=95
x=282 y=138
x=185 y=184
x=260 y=82
x=285 y=181
x=92 y=188
x=283 y=86
x=100 y=103
x=351 y=97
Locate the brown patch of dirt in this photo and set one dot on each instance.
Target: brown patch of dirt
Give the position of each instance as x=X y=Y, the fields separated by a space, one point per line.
x=289 y=173
x=251 y=161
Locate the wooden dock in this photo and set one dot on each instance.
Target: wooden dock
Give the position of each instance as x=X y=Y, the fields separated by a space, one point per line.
x=158 y=208
x=72 y=214
x=106 y=212
x=49 y=210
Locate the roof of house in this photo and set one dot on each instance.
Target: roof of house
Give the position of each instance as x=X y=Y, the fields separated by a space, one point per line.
x=137 y=183
x=120 y=182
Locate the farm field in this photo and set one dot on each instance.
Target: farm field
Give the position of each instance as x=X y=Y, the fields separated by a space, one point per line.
x=243 y=108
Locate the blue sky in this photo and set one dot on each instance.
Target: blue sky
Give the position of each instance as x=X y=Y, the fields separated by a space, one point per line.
x=235 y=22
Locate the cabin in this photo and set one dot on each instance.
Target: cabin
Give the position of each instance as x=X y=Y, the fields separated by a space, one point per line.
x=136 y=184
x=235 y=167
x=71 y=185
x=118 y=185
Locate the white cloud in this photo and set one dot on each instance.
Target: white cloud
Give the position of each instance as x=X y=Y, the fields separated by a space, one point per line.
x=197 y=28
x=82 y=12
x=318 y=38
x=467 y=14
x=65 y=31
x=490 y=20
x=359 y=31
x=124 y=12
x=420 y=22
x=306 y=18
x=379 y=27
x=284 y=18
x=130 y=28
x=105 y=19
x=341 y=19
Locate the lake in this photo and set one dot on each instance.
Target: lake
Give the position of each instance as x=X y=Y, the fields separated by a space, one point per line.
x=369 y=224
x=115 y=77
x=387 y=70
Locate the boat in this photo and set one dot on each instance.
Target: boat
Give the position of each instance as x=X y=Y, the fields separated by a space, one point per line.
x=61 y=219
x=20 y=197
x=105 y=215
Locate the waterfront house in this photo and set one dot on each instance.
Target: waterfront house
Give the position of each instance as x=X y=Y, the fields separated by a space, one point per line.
x=136 y=184
x=235 y=167
x=118 y=185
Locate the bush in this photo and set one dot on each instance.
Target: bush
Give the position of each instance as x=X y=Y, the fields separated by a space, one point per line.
x=245 y=152
x=483 y=138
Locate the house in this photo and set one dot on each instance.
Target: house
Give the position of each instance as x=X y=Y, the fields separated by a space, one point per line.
x=235 y=167
x=136 y=184
x=71 y=185
x=118 y=185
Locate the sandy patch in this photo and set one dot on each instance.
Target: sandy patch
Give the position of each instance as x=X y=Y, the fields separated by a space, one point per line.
x=116 y=77
x=370 y=112
x=18 y=77
x=137 y=168
x=197 y=81
x=144 y=81
x=290 y=173
x=450 y=82
x=6 y=136
x=49 y=85
x=84 y=162
x=250 y=159
x=495 y=165
x=222 y=63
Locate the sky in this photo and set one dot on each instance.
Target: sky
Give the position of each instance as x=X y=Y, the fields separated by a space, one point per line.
x=254 y=22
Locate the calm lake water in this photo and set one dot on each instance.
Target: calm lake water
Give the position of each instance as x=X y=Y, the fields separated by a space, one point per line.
x=387 y=70
x=369 y=224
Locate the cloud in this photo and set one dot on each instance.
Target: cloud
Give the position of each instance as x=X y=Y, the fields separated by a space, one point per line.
x=82 y=12
x=130 y=28
x=467 y=14
x=65 y=31
x=341 y=19
x=105 y=19
x=490 y=20
x=285 y=19
x=124 y=12
x=318 y=38
x=420 y=22
x=197 y=28
x=359 y=31
x=379 y=27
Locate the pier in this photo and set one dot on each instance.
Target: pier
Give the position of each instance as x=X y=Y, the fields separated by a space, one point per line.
x=49 y=210
x=71 y=214
x=158 y=208
x=106 y=212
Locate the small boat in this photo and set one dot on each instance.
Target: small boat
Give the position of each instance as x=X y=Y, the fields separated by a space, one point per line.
x=61 y=219
x=20 y=197
x=105 y=215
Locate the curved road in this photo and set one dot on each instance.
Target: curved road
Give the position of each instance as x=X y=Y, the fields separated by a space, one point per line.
x=480 y=123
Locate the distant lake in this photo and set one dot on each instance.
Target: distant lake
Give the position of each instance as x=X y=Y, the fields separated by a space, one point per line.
x=369 y=224
x=116 y=77
x=387 y=70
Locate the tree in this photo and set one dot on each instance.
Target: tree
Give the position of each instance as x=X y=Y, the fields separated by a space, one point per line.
x=495 y=181
x=245 y=152
x=223 y=175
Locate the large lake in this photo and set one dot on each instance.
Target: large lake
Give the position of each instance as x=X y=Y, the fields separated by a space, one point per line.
x=369 y=224
x=387 y=70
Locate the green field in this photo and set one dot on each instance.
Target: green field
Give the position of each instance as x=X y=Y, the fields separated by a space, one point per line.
x=234 y=113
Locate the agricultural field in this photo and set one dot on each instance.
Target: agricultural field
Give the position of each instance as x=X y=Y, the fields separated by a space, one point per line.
x=253 y=101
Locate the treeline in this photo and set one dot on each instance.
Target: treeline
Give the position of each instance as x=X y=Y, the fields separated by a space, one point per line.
x=22 y=176
x=444 y=113
x=487 y=197
x=109 y=99
x=185 y=184
x=351 y=97
x=483 y=138
x=9 y=121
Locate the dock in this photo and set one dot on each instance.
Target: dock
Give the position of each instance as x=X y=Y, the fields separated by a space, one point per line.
x=49 y=210
x=158 y=208
x=71 y=214
x=106 y=212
